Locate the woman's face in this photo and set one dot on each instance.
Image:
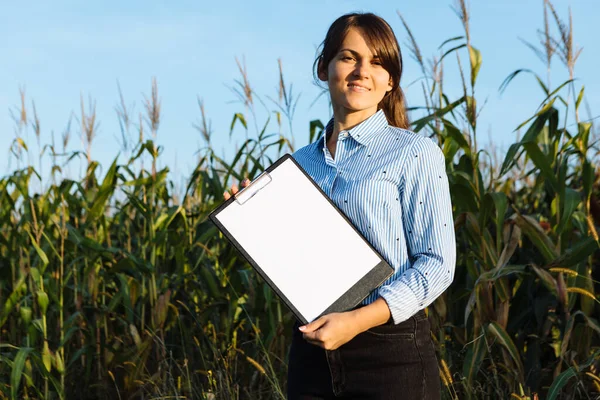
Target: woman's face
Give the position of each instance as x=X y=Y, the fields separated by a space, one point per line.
x=357 y=81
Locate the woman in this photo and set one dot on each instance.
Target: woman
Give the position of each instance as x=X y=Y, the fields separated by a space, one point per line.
x=392 y=184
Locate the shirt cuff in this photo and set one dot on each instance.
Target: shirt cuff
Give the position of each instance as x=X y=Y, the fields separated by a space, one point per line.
x=401 y=301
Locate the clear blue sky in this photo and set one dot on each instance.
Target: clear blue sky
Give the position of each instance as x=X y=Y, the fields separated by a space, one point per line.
x=60 y=50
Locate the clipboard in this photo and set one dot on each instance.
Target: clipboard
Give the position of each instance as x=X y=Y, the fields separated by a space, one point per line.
x=300 y=242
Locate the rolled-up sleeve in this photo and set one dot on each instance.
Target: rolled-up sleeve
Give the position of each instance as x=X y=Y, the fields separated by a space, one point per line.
x=428 y=231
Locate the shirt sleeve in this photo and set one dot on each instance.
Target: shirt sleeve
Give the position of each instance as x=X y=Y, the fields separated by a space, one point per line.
x=428 y=230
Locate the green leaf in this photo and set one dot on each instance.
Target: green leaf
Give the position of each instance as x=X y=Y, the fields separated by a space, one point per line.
x=46 y=374
x=541 y=162
x=450 y=40
x=581 y=250
x=21 y=143
x=530 y=136
x=455 y=133
x=564 y=378
x=126 y=298
x=548 y=110
x=572 y=199
x=452 y=50
x=420 y=123
x=474 y=358
x=585 y=129
x=450 y=149
x=210 y=279
x=475 y=57
x=231 y=168
x=104 y=193
x=165 y=219
x=41 y=254
x=504 y=339
x=238 y=117
x=314 y=125
x=547 y=279
x=579 y=98
x=499 y=202
x=89 y=243
x=141 y=207
x=497 y=273
x=591 y=322
x=562 y=85
x=532 y=229
x=514 y=74
x=560 y=382
x=17 y=371
x=564 y=345
x=12 y=300
x=510 y=159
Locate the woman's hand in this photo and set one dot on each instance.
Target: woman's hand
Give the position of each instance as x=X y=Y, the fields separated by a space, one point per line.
x=331 y=331
x=335 y=329
x=234 y=188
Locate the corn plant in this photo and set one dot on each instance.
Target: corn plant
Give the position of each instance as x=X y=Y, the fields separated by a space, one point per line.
x=519 y=319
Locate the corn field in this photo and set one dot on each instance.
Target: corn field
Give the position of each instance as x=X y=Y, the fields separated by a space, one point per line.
x=117 y=286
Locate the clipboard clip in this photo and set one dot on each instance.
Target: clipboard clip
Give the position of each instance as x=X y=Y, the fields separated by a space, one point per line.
x=254 y=187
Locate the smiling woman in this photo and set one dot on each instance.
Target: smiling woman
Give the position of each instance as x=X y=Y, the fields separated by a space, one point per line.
x=392 y=184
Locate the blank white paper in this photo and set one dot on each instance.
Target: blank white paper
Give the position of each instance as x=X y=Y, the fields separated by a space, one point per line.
x=309 y=251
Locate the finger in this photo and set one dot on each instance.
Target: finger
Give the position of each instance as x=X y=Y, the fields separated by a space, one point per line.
x=313 y=326
x=313 y=337
x=234 y=189
x=226 y=195
x=245 y=182
x=318 y=344
x=313 y=341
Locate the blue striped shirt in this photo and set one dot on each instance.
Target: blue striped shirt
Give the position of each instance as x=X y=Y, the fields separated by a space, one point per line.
x=392 y=184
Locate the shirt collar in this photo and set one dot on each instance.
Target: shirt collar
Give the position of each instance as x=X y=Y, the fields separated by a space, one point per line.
x=363 y=133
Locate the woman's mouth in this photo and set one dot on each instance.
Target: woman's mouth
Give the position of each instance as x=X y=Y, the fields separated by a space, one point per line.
x=357 y=88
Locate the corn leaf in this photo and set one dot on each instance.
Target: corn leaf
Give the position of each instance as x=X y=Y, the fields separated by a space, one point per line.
x=475 y=354
x=532 y=229
x=560 y=381
x=504 y=339
x=17 y=371
x=475 y=57
x=576 y=254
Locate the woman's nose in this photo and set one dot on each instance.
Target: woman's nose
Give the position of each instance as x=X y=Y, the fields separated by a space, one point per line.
x=361 y=68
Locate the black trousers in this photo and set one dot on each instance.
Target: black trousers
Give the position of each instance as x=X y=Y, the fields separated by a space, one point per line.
x=386 y=362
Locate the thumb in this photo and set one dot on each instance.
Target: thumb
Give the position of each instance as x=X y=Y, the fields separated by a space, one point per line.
x=313 y=326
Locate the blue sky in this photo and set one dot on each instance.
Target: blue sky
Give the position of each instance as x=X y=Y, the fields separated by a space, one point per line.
x=62 y=50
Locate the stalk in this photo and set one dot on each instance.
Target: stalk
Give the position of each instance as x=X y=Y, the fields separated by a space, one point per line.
x=45 y=338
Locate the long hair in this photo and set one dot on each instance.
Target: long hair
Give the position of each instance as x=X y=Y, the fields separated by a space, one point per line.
x=381 y=40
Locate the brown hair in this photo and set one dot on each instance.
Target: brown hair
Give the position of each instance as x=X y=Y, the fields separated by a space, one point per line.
x=381 y=39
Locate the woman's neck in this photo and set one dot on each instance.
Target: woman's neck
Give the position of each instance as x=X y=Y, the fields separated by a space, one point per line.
x=344 y=120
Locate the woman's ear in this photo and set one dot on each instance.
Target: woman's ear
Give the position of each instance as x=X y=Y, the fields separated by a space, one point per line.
x=321 y=72
x=390 y=85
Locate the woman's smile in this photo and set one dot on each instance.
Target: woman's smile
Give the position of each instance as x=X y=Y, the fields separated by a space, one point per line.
x=355 y=87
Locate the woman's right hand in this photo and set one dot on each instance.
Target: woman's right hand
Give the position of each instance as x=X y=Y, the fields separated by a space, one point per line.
x=234 y=189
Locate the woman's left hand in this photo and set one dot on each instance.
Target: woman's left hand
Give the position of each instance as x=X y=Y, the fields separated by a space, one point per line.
x=331 y=331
